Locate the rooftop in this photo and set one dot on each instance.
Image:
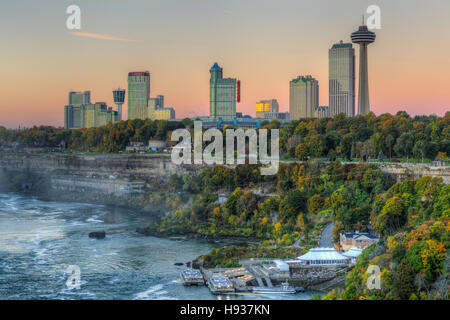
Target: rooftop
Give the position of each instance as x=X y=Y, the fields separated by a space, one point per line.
x=341 y=45
x=355 y=235
x=353 y=252
x=322 y=254
x=215 y=66
x=139 y=73
x=304 y=79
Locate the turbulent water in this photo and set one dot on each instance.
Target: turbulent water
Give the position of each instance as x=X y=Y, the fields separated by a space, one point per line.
x=39 y=240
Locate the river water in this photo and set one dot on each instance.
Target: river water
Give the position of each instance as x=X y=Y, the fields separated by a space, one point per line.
x=39 y=240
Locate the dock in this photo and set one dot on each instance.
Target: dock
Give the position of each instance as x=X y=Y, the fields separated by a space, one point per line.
x=255 y=275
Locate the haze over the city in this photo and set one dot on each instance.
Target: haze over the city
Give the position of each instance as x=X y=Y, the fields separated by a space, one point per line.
x=263 y=43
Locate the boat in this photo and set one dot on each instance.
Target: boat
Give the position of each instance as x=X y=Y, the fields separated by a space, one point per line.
x=192 y=277
x=220 y=285
x=285 y=288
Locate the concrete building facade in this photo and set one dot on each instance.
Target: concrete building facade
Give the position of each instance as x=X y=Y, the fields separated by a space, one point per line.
x=266 y=106
x=322 y=112
x=138 y=95
x=303 y=97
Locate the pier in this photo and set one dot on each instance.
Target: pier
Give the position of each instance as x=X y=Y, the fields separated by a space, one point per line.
x=254 y=275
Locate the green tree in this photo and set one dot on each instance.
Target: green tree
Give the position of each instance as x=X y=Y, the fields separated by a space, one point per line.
x=389 y=142
x=403 y=284
x=405 y=144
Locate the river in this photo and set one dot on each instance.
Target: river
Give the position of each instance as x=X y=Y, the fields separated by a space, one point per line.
x=39 y=240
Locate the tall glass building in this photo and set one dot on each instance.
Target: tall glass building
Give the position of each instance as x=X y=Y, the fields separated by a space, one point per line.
x=303 y=97
x=73 y=112
x=138 y=94
x=342 y=79
x=223 y=93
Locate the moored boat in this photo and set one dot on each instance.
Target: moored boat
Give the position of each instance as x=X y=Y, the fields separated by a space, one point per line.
x=220 y=285
x=192 y=277
x=285 y=288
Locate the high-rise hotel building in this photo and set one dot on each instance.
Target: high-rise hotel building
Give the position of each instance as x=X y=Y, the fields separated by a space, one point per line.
x=303 y=97
x=224 y=93
x=138 y=94
x=81 y=113
x=73 y=112
x=342 y=79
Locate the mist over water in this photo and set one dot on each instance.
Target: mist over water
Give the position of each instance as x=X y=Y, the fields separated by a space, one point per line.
x=39 y=240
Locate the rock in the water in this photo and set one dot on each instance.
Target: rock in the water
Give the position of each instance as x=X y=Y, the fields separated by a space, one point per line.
x=97 y=234
x=178 y=263
x=143 y=231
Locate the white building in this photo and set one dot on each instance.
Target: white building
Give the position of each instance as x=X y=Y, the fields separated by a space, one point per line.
x=303 y=97
x=353 y=254
x=321 y=257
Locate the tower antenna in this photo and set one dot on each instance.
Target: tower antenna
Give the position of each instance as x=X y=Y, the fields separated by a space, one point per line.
x=363 y=20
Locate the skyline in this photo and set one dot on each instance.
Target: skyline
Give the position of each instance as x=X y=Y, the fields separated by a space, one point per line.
x=408 y=65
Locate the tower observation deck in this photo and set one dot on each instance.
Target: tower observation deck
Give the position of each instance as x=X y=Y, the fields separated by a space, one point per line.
x=363 y=37
x=119 y=99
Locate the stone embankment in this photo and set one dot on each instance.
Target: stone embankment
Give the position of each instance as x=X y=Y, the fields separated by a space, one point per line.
x=316 y=277
x=403 y=171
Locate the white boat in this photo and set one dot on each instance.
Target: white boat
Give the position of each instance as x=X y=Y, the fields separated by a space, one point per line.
x=285 y=288
x=220 y=285
x=192 y=277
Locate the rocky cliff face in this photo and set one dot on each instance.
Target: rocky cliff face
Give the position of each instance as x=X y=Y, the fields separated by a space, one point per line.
x=109 y=178
x=142 y=166
x=402 y=171
x=119 y=176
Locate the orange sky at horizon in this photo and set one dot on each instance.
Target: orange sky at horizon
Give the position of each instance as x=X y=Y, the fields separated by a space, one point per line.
x=408 y=68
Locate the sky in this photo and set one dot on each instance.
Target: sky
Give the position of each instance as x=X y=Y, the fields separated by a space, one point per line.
x=263 y=43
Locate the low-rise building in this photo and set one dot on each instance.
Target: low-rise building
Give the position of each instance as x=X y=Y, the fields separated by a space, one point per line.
x=164 y=114
x=321 y=257
x=353 y=254
x=438 y=162
x=356 y=239
x=136 y=146
x=266 y=106
x=156 y=145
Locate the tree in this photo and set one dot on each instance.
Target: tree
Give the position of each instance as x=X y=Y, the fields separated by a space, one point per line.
x=405 y=144
x=403 y=284
x=419 y=149
x=338 y=228
x=346 y=146
x=291 y=206
x=433 y=258
x=315 y=204
x=398 y=253
x=391 y=216
x=301 y=151
x=389 y=141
